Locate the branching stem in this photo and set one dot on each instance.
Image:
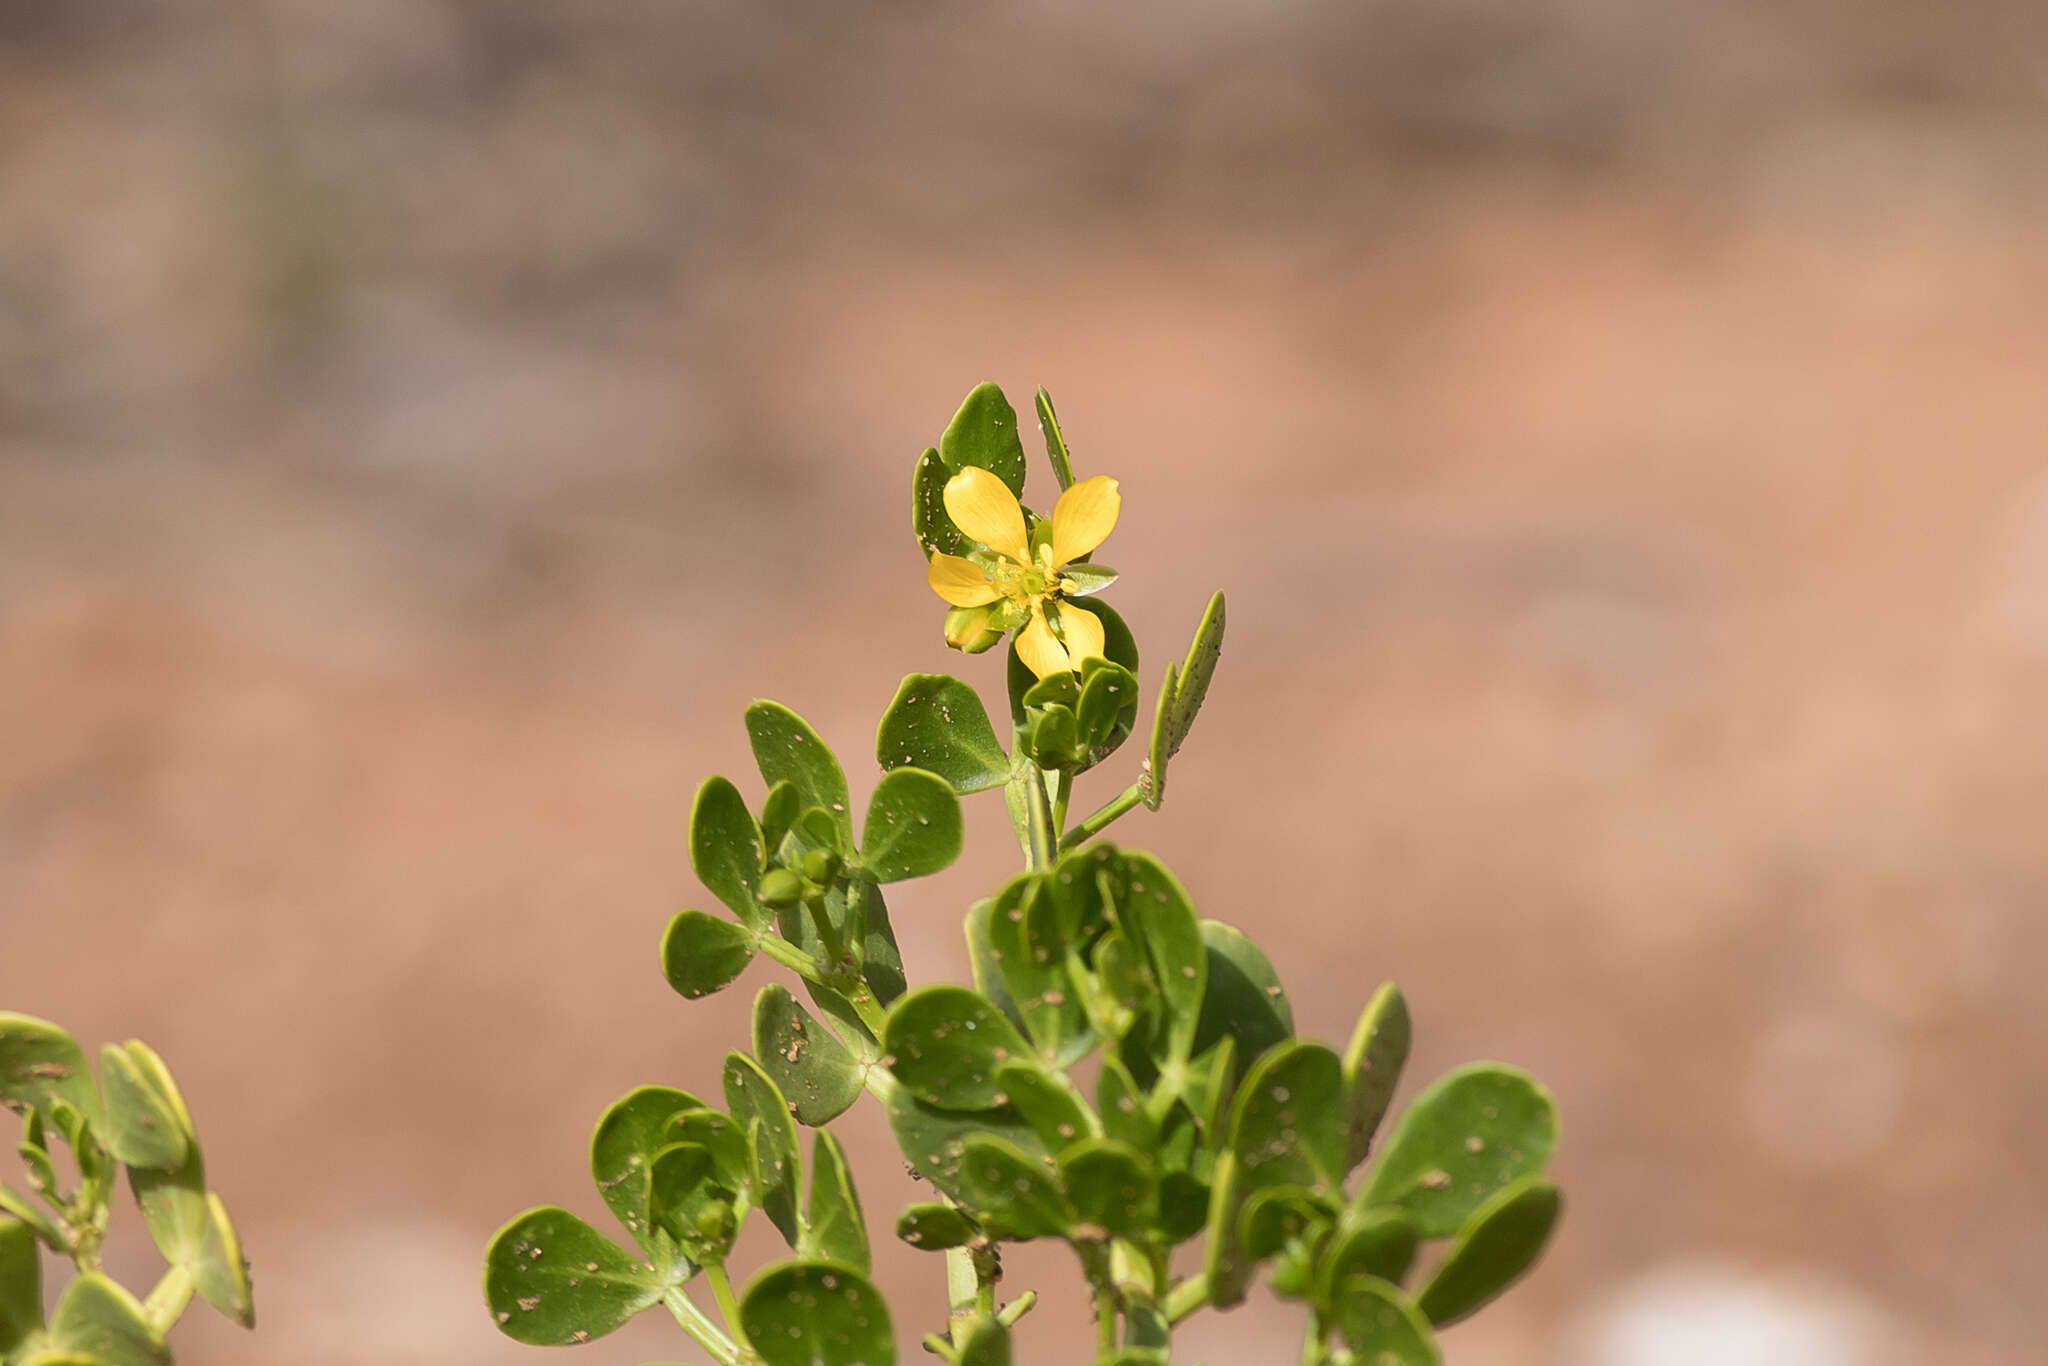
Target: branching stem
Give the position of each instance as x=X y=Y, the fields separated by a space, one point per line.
x=1095 y=824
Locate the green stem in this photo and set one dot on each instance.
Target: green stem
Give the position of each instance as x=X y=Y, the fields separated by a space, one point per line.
x=1095 y=824
x=1185 y=1298
x=168 y=1300
x=1043 y=850
x=699 y=1326
x=963 y=1291
x=828 y=933
x=790 y=956
x=728 y=1307
x=1105 y=1323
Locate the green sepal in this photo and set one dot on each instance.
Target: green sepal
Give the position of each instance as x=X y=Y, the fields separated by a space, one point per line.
x=727 y=850
x=833 y=1229
x=702 y=954
x=933 y=1227
x=1108 y=699
x=1087 y=578
x=1500 y=1242
x=934 y=1141
x=142 y=1129
x=1374 y=1242
x=762 y=1113
x=1382 y=1325
x=1013 y=1195
x=631 y=1131
x=807 y=1062
x=21 y=1284
x=41 y=1065
x=984 y=432
x=552 y=1280
x=936 y=533
x=1180 y=697
x=788 y=750
x=1472 y=1132
x=1372 y=1067
x=913 y=826
x=1112 y=1187
x=1052 y=739
x=1055 y=442
x=817 y=1314
x=1119 y=647
x=945 y=1043
x=1242 y=997
x=98 y=1322
x=937 y=723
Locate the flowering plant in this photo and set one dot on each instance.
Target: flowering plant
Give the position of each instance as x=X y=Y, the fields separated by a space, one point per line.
x=1207 y=1117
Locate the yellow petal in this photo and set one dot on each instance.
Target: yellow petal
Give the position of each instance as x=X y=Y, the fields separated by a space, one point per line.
x=1040 y=650
x=983 y=507
x=1083 y=630
x=1084 y=517
x=960 y=581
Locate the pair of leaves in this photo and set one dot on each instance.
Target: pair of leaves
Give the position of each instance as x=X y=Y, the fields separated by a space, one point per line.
x=1180 y=697
x=982 y=433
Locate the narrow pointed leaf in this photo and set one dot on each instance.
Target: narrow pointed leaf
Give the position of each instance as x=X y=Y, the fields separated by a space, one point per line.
x=554 y=1281
x=1180 y=697
x=1055 y=442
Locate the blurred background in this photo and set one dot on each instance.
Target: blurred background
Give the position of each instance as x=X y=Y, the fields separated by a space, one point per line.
x=1620 y=429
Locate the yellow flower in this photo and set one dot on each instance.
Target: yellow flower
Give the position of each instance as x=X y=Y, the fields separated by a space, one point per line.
x=1027 y=576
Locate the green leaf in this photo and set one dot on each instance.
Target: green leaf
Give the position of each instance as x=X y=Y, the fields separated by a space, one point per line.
x=1501 y=1240
x=937 y=723
x=690 y=1204
x=834 y=1230
x=625 y=1141
x=221 y=1273
x=913 y=826
x=97 y=1321
x=1180 y=697
x=1273 y=1217
x=1048 y=1102
x=702 y=954
x=1121 y=1103
x=1053 y=739
x=1088 y=578
x=1012 y=1194
x=174 y=1207
x=984 y=433
x=1228 y=1270
x=1382 y=1325
x=935 y=530
x=1474 y=1131
x=143 y=1127
x=1374 y=1242
x=817 y=1314
x=1108 y=695
x=788 y=750
x=935 y=1227
x=934 y=1140
x=807 y=1062
x=760 y=1110
x=778 y=815
x=1287 y=1126
x=1372 y=1067
x=1027 y=944
x=1112 y=1187
x=1241 y=998
x=727 y=851
x=553 y=1281
x=945 y=1044
x=1158 y=915
x=21 y=1284
x=40 y=1065
x=1055 y=443
x=986 y=959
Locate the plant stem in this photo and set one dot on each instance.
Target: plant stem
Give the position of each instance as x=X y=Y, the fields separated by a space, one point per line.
x=1043 y=850
x=728 y=1307
x=790 y=956
x=828 y=933
x=1094 y=825
x=963 y=1291
x=698 y=1326
x=168 y=1300
x=1185 y=1298
x=1105 y=1323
